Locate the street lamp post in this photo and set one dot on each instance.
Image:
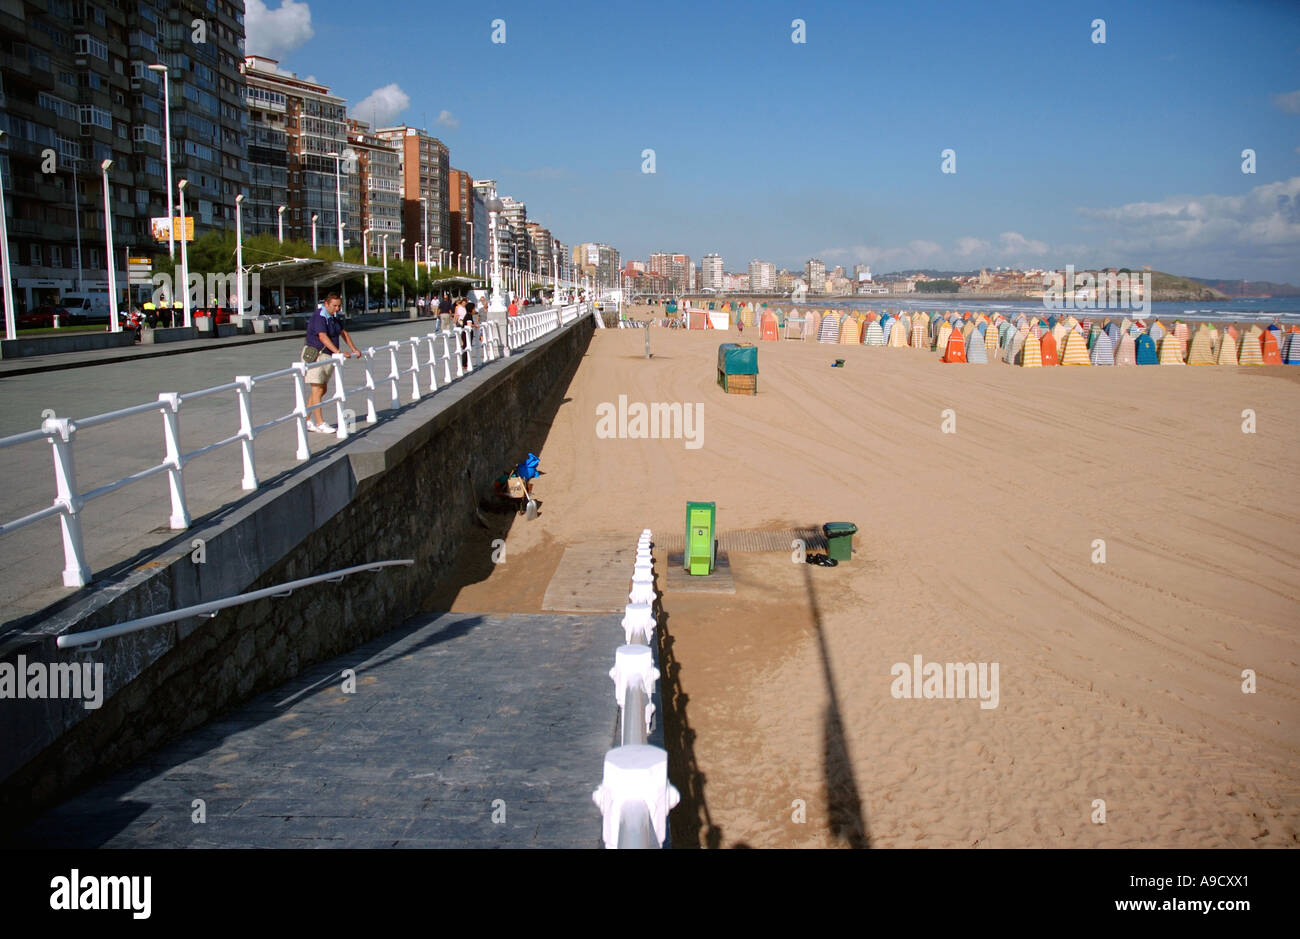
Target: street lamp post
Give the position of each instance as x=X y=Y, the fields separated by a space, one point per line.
x=280 y=221
x=239 y=252
x=113 y=324
x=471 y=247
x=338 y=196
x=167 y=141
x=401 y=253
x=185 y=265
x=314 y=216
x=496 y=305
x=385 y=240
x=365 y=259
x=11 y=324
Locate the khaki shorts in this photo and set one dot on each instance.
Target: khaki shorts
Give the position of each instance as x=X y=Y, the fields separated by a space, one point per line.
x=320 y=374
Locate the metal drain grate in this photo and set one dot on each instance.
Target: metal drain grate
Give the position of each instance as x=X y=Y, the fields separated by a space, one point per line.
x=755 y=539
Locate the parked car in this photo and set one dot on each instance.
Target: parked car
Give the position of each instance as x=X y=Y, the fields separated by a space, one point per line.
x=43 y=317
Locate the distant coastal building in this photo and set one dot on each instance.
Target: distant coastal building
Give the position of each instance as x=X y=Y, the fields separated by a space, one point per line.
x=762 y=277
x=814 y=272
x=862 y=272
x=375 y=189
x=426 y=173
x=784 y=281
x=711 y=272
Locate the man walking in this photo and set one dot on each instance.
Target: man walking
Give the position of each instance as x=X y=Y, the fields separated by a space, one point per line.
x=324 y=330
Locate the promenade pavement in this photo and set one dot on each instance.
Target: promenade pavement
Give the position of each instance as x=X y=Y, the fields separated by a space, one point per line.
x=465 y=730
x=121 y=525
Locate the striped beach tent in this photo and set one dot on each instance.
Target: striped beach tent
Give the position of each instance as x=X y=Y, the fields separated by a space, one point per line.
x=1113 y=330
x=1182 y=334
x=1171 y=350
x=920 y=338
x=1075 y=350
x=850 y=330
x=770 y=326
x=1126 y=350
x=1030 y=354
x=1048 y=349
x=1156 y=331
x=1102 y=353
x=1227 y=349
x=1146 y=350
x=1201 y=351
x=898 y=335
x=1291 y=354
x=1036 y=327
x=990 y=341
x=941 y=337
x=1059 y=332
x=1248 y=350
x=829 y=329
x=811 y=323
x=1015 y=345
x=873 y=335
x=976 y=354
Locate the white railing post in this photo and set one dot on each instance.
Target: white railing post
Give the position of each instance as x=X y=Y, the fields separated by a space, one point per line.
x=300 y=408
x=245 y=392
x=175 y=467
x=367 y=357
x=431 y=338
x=446 y=358
x=393 y=375
x=76 y=572
x=462 y=344
x=635 y=797
x=634 y=676
x=415 y=368
x=341 y=397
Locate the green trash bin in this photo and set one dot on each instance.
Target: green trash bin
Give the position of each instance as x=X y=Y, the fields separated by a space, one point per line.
x=839 y=539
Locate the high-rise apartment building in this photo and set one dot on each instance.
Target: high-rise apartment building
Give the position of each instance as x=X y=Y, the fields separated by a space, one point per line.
x=426 y=175
x=312 y=124
x=711 y=271
x=461 y=191
x=597 y=261
x=815 y=276
x=539 y=243
x=75 y=83
x=762 y=277
x=516 y=213
x=376 y=189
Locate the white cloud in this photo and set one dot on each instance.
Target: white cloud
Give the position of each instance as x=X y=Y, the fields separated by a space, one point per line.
x=969 y=246
x=1289 y=102
x=1260 y=228
x=382 y=106
x=1012 y=242
x=273 y=33
x=447 y=119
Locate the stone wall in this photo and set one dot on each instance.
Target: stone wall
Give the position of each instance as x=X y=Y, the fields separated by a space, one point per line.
x=72 y=342
x=405 y=488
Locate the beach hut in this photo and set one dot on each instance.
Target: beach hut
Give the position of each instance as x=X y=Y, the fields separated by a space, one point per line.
x=990 y=341
x=829 y=329
x=1126 y=350
x=850 y=331
x=1145 y=350
x=1059 y=332
x=1291 y=354
x=1102 y=352
x=1268 y=347
x=1248 y=350
x=1075 y=351
x=1030 y=354
x=1048 y=349
x=1113 y=330
x=955 y=347
x=1227 y=349
x=1201 y=351
x=919 y=337
x=941 y=337
x=873 y=335
x=1182 y=334
x=770 y=327
x=898 y=335
x=811 y=323
x=1156 y=331
x=1171 y=350
x=1015 y=345
x=976 y=354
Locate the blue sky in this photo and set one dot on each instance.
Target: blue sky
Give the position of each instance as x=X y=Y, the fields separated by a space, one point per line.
x=1067 y=151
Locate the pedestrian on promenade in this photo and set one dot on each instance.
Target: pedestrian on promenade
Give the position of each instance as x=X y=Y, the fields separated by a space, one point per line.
x=324 y=330
x=467 y=334
x=444 y=311
x=513 y=309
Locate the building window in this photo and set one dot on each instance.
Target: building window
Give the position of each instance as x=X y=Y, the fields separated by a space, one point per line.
x=56 y=255
x=36 y=254
x=85 y=44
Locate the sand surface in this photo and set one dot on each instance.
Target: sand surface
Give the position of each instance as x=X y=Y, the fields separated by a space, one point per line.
x=1118 y=681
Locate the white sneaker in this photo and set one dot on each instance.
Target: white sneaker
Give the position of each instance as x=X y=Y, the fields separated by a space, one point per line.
x=311 y=427
x=324 y=428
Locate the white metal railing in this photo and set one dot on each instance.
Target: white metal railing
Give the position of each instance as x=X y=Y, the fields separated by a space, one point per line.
x=526 y=327
x=634 y=795
x=454 y=349
x=93 y=637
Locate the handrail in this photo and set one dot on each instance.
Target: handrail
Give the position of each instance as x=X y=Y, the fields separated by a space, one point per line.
x=212 y=607
x=483 y=342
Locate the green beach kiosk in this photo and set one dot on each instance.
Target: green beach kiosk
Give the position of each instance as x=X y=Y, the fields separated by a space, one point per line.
x=701 y=545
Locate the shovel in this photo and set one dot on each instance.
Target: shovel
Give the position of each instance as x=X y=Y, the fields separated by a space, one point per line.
x=530 y=510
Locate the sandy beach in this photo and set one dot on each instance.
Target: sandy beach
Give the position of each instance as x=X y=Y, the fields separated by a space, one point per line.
x=1120 y=682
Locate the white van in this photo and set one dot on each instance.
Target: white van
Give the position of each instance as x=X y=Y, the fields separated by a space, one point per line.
x=90 y=303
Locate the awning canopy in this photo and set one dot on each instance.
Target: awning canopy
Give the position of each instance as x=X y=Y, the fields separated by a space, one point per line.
x=309 y=272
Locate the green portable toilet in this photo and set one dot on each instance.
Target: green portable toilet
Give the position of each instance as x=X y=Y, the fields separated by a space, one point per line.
x=701 y=545
x=839 y=539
